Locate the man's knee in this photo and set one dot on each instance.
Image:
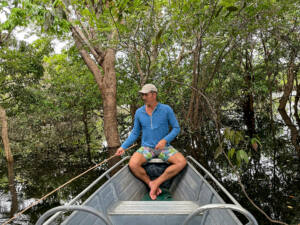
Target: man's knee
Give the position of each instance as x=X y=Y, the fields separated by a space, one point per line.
x=133 y=165
x=179 y=160
x=182 y=162
x=136 y=161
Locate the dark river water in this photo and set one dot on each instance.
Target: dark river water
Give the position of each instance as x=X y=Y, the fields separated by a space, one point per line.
x=36 y=176
x=39 y=174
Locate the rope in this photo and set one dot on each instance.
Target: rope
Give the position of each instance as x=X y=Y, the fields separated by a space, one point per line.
x=60 y=187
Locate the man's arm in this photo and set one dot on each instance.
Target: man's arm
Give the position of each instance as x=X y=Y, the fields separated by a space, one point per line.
x=174 y=124
x=174 y=132
x=135 y=133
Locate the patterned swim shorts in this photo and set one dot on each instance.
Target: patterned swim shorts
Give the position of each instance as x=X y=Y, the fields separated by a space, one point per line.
x=164 y=154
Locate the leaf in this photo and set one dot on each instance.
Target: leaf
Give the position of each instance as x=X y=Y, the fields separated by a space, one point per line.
x=254 y=144
x=227 y=133
x=231 y=153
x=55 y=3
x=238 y=137
x=85 y=12
x=256 y=140
x=218 y=151
x=227 y=3
x=242 y=155
x=4 y=4
x=238 y=158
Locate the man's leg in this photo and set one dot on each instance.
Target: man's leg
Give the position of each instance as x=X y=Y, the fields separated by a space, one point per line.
x=178 y=163
x=135 y=164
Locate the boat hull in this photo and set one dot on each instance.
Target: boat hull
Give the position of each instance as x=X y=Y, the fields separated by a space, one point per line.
x=119 y=199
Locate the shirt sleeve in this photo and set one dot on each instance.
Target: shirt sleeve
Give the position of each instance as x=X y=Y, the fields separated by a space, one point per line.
x=135 y=133
x=174 y=124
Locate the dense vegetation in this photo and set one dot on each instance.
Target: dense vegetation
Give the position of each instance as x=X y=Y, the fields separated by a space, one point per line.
x=228 y=68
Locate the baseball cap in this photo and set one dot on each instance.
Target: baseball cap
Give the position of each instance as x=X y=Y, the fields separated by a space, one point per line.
x=148 y=88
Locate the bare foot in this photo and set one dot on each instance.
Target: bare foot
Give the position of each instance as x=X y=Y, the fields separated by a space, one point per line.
x=154 y=190
x=158 y=192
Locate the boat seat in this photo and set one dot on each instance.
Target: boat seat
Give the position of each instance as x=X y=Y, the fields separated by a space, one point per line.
x=156 y=160
x=153 y=207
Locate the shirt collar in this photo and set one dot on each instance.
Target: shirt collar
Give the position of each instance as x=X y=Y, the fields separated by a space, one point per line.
x=156 y=108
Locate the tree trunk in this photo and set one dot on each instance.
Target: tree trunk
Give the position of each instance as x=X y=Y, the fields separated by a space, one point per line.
x=12 y=189
x=192 y=114
x=294 y=132
x=297 y=97
x=248 y=108
x=109 y=95
x=249 y=114
x=107 y=84
x=4 y=136
x=291 y=73
x=10 y=161
x=87 y=134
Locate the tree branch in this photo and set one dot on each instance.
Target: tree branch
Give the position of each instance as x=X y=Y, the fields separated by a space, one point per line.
x=80 y=35
x=217 y=123
x=89 y=61
x=142 y=74
x=182 y=55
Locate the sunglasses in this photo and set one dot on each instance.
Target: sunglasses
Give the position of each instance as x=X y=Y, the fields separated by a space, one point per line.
x=146 y=94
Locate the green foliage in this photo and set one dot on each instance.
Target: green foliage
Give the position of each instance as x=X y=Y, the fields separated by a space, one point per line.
x=254 y=141
x=227 y=50
x=231 y=153
x=218 y=152
x=17 y=16
x=233 y=136
x=21 y=69
x=241 y=155
x=3 y=182
x=234 y=140
x=68 y=99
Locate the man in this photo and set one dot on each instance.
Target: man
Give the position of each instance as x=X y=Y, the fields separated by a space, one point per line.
x=153 y=119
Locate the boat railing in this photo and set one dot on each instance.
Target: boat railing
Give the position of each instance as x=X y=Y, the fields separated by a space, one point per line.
x=60 y=209
x=201 y=209
x=207 y=173
x=236 y=206
x=105 y=174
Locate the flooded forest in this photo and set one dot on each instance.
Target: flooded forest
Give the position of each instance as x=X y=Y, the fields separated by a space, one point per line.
x=70 y=72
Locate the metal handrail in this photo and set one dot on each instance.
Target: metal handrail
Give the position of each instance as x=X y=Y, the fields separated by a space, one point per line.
x=87 y=189
x=72 y=208
x=216 y=181
x=239 y=209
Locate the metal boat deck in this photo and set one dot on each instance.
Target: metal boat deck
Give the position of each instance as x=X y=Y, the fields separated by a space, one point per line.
x=118 y=202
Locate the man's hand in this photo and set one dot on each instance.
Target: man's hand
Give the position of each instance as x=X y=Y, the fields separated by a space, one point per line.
x=161 y=144
x=120 y=151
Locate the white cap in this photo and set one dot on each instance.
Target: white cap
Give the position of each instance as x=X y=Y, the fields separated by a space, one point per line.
x=148 y=88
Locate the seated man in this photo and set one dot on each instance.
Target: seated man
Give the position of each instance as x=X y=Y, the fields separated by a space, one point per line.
x=153 y=119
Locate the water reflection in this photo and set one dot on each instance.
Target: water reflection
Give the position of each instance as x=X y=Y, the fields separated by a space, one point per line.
x=34 y=180
x=12 y=189
x=10 y=206
x=272 y=182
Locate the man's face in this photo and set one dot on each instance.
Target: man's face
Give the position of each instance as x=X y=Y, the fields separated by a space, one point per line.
x=149 y=98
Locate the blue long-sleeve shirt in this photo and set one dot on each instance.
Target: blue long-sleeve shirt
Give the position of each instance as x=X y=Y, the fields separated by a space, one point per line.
x=155 y=127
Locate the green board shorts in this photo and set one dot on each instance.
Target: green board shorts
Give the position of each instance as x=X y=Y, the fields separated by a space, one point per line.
x=163 y=154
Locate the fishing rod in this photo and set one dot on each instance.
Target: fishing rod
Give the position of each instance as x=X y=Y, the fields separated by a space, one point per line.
x=63 y=185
